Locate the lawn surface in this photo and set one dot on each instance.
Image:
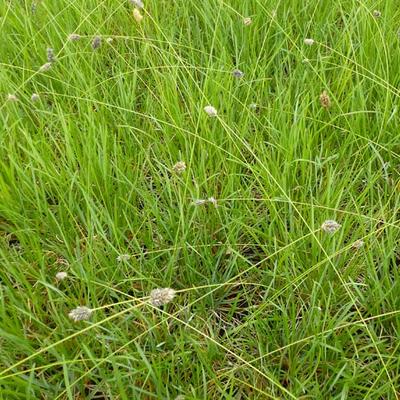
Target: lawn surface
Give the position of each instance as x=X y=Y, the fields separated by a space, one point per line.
x=268 y=304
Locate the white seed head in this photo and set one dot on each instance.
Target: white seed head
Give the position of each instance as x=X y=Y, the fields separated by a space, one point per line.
x=210 y=111
x=237 y=73
x=377 y=14
x=74 y=37
x=309 y=42
x=199 y=202
x=213 y=201
x=159 y=297
x=60 y=276
x=358 y=244
x=45 y=67
x=330 y=226
x=12 y=97
x=80 y=313
x=253 y=106
x=123 y=257
x=109 y=40
x=247 y=21
x=137 y=3
x=35 y=97
x=137 y=15
x=179 y=167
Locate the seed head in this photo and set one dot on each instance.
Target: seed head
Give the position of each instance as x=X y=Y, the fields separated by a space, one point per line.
x=179 y=167
x=109 y=40
x=159 y=297
x=237 y=73
x=35 y=97
x=309 y=42
x=358 y=244
x=45 y=67
x=210 y=111
x=80 y=313
x=137 y=15
x=247 y=21
x=377 y=14
x=96 y=42
x=50 y=55
x=213 y=201
x=74 y=37
x=199 y=202
x=253 y=106
x=123 y=257
x=324 y=99
x=12 y=97
x=137 y=3
x=60 y=276
x=330 y=226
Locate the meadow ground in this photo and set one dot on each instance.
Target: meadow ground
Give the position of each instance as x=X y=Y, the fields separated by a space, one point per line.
x=116 y=180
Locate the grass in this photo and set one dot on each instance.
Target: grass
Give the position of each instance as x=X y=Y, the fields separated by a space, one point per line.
x=268 y=305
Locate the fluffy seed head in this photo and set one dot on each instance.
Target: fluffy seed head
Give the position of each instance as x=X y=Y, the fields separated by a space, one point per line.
x=179 y=167
x=324 y=99
x=213 y=201
x=74 y=37
x=123 y=257
x=247 y=21
x=237 y=73
x=96 y=42
x=50 y=55
x=35 y=97
x=60 y=276
x=45 y=67
x=358 y=244
x=210 y=111
x=159 y=297
x=109 y=40
x=137 y=3
x=12 y=97
x=330 y=226
x=137 y=15
x=199 y=202
x=80 y=313
x=309 y=42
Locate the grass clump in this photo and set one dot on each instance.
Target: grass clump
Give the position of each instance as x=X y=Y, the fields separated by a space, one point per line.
x=199 y=200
